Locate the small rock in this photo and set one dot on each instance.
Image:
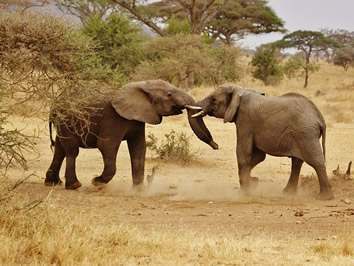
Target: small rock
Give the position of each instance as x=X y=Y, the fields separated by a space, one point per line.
x=299 y=213
x=230 y=214
x=210 y=202
x=347 y=201
x=334 y=237
x=298 y=222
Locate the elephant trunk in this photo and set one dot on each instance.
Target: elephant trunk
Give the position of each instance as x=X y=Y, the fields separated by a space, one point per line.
x=197 y=123
x=199 y=128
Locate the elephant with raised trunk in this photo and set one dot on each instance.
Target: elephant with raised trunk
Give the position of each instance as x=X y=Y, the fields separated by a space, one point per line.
x=113 y=117
x=289 y=125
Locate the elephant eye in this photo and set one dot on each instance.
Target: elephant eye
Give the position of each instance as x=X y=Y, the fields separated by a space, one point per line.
x=169 y=95
x=213 y=98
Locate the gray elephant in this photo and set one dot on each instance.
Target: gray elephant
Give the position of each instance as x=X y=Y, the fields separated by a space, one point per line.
x=117 y=116
x=289 y=125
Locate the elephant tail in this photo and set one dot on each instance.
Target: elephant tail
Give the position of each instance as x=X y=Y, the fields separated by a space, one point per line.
x=323 y=133
x=52 y=142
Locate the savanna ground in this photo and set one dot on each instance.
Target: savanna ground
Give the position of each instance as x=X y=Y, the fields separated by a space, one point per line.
x=191 y=213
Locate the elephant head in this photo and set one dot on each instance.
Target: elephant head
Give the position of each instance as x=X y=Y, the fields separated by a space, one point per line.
x=223 y=102
x=148 y=101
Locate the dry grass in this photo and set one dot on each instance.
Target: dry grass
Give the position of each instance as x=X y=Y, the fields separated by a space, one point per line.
x=49 y=234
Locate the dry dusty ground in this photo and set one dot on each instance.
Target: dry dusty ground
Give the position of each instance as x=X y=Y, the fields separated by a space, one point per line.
x=202 y=196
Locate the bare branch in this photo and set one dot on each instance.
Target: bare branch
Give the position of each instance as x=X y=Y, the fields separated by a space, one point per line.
x=148 y=22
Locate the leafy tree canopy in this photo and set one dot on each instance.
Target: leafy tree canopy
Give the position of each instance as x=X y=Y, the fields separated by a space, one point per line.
x=186 y=60
x=266 y=66
x=307 y=42
x=219 y=18
x=345 y=57
x=117 y=42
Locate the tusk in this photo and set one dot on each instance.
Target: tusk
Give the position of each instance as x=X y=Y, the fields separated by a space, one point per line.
x=192 y=107
x=199 y=114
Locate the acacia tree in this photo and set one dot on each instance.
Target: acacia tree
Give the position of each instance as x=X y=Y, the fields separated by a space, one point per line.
x=241 y=17
x=307 y=42
x=219 y=18
x=344 y=57
x=344 y=37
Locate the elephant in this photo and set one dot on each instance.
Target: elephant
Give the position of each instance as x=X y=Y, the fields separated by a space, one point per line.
x=288 y=125
x=113 y=117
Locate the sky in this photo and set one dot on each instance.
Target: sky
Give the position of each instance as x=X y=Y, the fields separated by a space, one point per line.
x=307 y=15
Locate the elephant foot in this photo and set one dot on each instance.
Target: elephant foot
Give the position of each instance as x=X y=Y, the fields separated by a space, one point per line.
x=50 y=183
x=138 y=187
x=98 y=181
x=325 y=195
x=51 y=179
x=250 y=184
x=290 y=190
x=73 y=185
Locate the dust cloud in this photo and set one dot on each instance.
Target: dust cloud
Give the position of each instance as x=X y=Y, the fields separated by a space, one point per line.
x=189 y=190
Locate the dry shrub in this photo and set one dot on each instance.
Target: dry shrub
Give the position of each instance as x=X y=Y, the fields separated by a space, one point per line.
x=186 y=61
x=175 y=147
x=44 y=61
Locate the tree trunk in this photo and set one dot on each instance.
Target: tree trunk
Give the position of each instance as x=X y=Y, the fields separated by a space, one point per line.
x=306 y=77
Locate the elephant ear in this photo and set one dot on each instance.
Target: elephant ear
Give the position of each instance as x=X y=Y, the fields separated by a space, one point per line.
x=135 y=103
x=232 y=108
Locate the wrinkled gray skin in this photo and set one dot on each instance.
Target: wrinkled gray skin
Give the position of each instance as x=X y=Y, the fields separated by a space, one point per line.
x=288 y=125
x=120 y=115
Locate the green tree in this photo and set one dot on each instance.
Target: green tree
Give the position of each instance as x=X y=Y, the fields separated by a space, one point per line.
x=118 y=42
x=177 y=26
x=307 y=42
x=344 y=57
x=344 y=37
x=267 y=66
x=241 y=17
x=219 y=18
x=292 y=66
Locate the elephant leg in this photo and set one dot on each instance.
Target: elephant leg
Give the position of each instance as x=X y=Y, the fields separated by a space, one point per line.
x=258 y=156
x=71 y=181
x=109 y=155
x=296 y=165
x=244 y=160
x=314 y=157
x=137 y=151
x=52 y=175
